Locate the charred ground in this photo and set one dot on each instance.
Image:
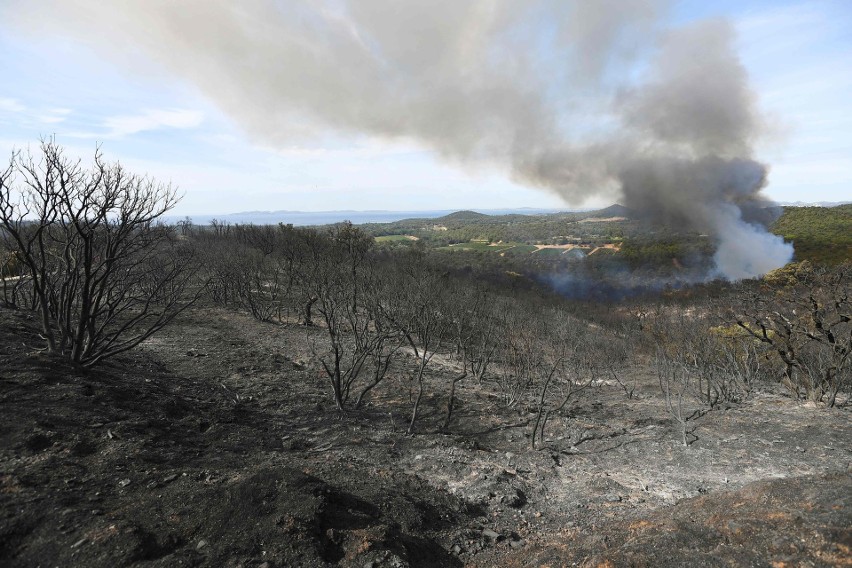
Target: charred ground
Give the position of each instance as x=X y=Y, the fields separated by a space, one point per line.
x=216 y=444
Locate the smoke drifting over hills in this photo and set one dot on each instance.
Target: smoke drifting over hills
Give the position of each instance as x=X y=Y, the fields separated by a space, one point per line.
x=574 y=97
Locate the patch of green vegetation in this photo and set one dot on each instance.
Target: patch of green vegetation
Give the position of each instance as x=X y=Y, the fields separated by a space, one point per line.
x=395 y=238
x=551 y=252
x=819 y=234
x=665 y=250
x=520 y=249
x=514 y=249
x=605 y=251
x=466 y=226
x=482 y=246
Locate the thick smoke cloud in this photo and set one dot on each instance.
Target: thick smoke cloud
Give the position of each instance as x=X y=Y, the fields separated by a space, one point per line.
x=575 y=97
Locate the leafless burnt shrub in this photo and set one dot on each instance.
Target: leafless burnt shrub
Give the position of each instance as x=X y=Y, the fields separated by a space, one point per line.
x=571 y=364
x=104 y=274
x=222 y=259
x=388 y=339
x=254 y=268
x=338 y=277
x=523 y=356
x=700 y=365
x=723 y=366
x=804 y=314
x=547 y=357
x=421 y=313
x=676 y=383
x=477 y=325
x=614 y=353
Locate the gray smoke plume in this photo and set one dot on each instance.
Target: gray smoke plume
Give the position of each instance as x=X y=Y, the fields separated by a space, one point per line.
x=576 y=97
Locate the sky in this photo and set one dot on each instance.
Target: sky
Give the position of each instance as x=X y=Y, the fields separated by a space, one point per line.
x=171 y=125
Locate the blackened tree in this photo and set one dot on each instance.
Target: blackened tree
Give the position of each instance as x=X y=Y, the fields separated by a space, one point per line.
x=104 y=273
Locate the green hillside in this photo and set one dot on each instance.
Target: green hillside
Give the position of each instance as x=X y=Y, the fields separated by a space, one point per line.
x=819 y=234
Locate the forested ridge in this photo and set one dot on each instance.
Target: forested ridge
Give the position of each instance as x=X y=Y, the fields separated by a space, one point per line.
x=819 y=234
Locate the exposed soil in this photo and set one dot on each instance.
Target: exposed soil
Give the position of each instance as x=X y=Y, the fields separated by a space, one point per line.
x=216 y=444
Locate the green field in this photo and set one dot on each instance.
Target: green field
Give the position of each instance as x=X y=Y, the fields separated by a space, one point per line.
x=520 y=249
x=551 y=252
x=395 y=238
x=515 y=249
x=480 y=246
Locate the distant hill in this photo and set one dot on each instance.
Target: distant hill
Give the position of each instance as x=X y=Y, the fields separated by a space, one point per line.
x=463 y=217
x=475 y=217
x=614 y=210
x=814 y=203
x=819 y=234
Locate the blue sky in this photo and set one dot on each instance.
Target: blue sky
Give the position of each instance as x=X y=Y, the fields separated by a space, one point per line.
x=798 y=56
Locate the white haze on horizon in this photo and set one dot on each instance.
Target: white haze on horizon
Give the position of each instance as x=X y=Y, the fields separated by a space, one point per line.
x=572 y=97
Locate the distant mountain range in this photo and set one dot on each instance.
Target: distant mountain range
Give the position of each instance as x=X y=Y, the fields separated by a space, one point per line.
x=813 y=204
x=303 y=218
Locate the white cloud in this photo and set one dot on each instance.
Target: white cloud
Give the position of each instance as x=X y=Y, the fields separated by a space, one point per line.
x=120 y=126
x=11 y=105
x=54 y=115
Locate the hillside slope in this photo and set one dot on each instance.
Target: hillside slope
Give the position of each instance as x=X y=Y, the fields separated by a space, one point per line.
x=819 y=234
x=216 y=444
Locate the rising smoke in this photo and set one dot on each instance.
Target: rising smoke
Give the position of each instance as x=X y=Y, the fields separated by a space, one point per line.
x=575 y=97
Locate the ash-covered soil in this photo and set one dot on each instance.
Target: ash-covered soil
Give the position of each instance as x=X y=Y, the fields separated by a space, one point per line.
x=216 y=443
